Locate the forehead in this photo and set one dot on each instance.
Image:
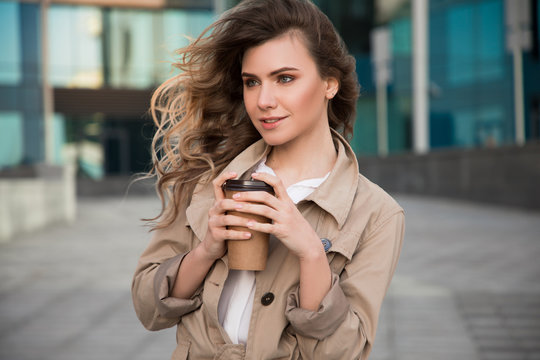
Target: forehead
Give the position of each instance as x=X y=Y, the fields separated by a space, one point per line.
x=287 y=50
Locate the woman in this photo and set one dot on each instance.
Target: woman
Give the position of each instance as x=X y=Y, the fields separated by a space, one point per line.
x=266 y=95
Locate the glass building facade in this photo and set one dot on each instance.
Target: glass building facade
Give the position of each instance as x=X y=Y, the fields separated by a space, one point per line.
x=88 y=47
x=97 y=50
x=129 y=49
x=21 y=106
x=472 y=102
x=472 y=77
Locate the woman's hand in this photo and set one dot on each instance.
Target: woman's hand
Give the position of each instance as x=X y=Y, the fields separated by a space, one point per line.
x=198 y=262
x=288 y=224
x=213 y=245
x=293 y=230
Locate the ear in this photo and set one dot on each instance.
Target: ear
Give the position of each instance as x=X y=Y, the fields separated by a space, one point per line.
x=332 y=87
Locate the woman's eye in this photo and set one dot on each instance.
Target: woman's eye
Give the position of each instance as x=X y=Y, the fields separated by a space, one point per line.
x=250 y=82
x=285 y=79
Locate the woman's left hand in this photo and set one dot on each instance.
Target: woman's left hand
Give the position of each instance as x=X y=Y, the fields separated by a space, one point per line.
x=288 y=224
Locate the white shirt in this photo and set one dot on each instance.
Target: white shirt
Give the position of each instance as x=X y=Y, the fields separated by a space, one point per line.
x=236 y=301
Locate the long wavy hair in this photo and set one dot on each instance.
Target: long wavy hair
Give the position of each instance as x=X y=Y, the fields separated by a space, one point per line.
x=200 y=116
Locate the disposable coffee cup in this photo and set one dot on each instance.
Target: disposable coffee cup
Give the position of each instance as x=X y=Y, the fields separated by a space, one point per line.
x=250 y=254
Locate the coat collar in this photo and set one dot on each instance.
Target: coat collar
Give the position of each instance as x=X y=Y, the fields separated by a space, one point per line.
x=335 y=195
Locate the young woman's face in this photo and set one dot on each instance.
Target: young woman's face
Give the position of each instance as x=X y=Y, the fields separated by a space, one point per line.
x=284 y=95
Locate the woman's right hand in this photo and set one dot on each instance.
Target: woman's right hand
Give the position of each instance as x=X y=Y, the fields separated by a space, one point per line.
x=195 y=265
x=214 y=245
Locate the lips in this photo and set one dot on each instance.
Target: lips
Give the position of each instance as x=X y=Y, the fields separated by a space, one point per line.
x=271 y=122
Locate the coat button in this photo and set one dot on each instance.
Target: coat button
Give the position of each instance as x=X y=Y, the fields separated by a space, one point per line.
x=327 y=244
x=267 y=299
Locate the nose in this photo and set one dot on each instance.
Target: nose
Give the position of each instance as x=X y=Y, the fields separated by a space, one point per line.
x=267 y=99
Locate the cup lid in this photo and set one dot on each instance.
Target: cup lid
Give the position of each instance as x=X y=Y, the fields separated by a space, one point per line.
x=247 y=185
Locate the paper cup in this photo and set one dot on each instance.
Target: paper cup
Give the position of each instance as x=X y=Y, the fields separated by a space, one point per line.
x=250 y=254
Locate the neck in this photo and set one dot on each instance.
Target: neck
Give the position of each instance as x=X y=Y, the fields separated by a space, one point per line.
x=293 y=162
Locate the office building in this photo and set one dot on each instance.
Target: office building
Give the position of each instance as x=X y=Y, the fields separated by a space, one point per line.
x=450 y=99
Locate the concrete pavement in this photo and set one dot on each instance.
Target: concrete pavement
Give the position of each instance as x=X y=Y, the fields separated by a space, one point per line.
x=467 y=286
x=65 y=291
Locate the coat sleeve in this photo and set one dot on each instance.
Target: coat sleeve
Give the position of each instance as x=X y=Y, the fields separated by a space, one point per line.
x=155 y=276
x=344 y=325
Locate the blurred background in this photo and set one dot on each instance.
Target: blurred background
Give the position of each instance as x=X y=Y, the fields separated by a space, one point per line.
x=448 y=122
x=450 y=101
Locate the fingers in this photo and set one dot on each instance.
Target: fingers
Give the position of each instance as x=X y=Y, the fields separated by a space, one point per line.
x=229 y=234
x=257 y=206
x=224 y=225
x=261 y=227
x=221 y=206
x=218 y=182
x=228 y=220
x=274 y=181
x=230 y=227
x=227 y=226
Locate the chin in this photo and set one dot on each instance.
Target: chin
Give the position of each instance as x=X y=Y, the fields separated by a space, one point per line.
x=274 y=140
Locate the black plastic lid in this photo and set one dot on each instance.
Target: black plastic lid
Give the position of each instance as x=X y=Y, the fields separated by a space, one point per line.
x=247 y=185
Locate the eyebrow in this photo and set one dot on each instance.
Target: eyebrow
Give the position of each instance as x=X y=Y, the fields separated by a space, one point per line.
x=275 y=72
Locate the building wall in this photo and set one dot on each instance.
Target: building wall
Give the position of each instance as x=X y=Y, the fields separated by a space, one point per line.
x=507 y=175
x=33 y=197
x=121 y=54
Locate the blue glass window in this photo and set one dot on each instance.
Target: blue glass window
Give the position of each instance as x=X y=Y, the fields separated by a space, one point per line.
x=10 y=38
x=142 y=44
x=11 y=138
x=491 y=40
x=75 y=46
x=461 y=47
x=475 y=42
x=401 y=37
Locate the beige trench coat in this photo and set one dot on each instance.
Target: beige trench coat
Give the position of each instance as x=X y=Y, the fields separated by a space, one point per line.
x=365 y=226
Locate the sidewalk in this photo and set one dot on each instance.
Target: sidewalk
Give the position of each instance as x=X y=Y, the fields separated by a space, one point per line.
x=467 y=286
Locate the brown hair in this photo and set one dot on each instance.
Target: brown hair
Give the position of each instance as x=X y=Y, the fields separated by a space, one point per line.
x=200 y=116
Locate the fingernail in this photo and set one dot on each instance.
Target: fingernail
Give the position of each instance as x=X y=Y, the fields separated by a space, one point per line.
x=238 y=206
x=250 y=224
x=254 y=174
x=247 y=235
x=236 y=196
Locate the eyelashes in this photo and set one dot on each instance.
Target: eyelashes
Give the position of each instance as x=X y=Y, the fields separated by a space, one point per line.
x=250 y=82
x=282 y=79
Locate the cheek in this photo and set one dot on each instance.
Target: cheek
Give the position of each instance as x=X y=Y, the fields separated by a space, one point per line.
x=310 y=97
x=248 y=102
